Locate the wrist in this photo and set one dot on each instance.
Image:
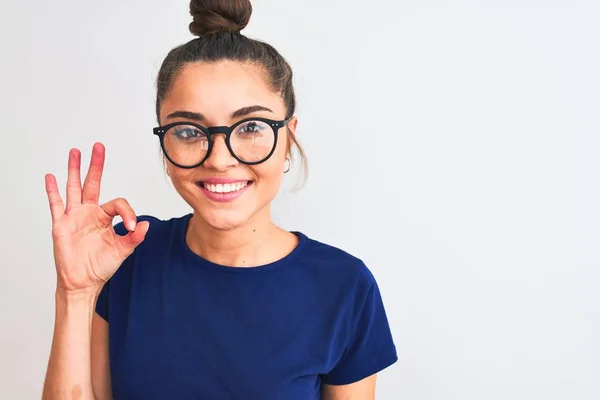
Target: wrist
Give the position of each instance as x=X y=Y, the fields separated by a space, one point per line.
x=75 y=306
x=84 y=294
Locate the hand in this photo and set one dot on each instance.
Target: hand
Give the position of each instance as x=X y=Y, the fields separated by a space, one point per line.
x=87 y=251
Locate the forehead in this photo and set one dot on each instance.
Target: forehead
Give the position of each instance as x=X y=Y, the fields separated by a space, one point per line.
x=217 y=89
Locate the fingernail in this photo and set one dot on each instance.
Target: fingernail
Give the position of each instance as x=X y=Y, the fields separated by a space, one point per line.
x=131 y=225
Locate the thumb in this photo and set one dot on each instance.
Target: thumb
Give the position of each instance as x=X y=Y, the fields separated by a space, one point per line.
x=133 y=238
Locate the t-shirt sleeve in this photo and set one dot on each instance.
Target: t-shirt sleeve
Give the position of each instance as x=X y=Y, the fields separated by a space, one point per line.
x=102 y=303
x=370 y=347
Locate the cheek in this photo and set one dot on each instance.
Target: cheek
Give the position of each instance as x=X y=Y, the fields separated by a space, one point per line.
x=178 y=175
x=272 y=169
x=270 y=173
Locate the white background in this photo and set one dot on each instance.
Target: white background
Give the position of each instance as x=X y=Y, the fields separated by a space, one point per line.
x=453 y=146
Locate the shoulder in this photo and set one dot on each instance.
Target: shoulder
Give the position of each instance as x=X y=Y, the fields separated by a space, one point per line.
x=336 y=264
x=158 y=227
x=161 y=234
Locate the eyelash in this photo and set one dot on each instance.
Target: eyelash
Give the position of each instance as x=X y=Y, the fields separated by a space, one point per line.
x=179 y=132
x=253 y=124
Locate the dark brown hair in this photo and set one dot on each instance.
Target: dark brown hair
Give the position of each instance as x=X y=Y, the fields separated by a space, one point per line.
x=217 y=25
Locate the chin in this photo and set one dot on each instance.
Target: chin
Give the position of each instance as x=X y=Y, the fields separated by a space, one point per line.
x=223 y=220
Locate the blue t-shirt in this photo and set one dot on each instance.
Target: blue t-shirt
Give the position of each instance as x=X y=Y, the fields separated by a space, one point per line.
x=181 y=327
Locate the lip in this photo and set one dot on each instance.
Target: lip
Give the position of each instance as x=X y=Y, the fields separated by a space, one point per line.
x=216 y=181
x=223 y=197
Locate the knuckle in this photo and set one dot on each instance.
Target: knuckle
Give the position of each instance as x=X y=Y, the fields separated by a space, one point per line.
x=92 y=182
x=119 y=203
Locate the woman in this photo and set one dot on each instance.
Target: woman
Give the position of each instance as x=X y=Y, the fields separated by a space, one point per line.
x=220 y=303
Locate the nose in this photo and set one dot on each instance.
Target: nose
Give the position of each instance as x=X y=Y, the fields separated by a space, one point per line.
x=220 y=157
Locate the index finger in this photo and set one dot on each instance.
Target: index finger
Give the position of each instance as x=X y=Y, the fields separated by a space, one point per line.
x=91 y=186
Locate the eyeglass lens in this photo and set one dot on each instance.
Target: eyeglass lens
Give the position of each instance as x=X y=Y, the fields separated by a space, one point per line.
x=251 y=141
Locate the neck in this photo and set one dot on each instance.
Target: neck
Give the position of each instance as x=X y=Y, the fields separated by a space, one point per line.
x=254 y=243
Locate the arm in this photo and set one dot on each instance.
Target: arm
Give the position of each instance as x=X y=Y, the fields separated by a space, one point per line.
x=75 y=372
x=87 y=252
x=361 y=390
x=69 y=368
x=368 y=346
x=100 y=362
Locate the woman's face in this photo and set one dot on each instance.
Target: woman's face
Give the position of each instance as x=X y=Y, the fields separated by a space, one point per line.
x=216 y=91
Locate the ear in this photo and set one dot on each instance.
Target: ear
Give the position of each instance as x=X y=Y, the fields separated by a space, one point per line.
x=165 y=166
x=291 y=126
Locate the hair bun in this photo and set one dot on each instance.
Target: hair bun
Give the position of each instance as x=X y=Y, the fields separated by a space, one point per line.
x=212 y=16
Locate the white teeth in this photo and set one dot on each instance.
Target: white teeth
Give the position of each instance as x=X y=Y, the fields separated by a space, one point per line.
x=225 y=188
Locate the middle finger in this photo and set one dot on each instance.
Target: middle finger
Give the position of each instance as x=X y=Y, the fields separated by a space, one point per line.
x=74 y=178
x=91 y=185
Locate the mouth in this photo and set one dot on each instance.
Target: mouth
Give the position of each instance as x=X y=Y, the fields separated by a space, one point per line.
x=224 y=187
x=223 y=192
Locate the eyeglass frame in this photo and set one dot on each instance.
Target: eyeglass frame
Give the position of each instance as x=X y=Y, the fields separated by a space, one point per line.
x=161 y=131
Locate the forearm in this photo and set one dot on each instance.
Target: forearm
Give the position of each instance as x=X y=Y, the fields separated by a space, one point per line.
x=69 y=368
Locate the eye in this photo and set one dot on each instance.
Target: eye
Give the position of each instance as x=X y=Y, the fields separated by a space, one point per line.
x=251 y=128
x=187 y=132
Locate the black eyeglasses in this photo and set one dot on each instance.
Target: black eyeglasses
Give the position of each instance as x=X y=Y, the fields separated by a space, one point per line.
x=250 y=141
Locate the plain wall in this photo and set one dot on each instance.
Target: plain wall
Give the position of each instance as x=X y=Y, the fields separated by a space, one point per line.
x=453 y=146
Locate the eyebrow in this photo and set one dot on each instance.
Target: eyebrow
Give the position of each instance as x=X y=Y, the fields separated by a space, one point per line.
x=236 y=114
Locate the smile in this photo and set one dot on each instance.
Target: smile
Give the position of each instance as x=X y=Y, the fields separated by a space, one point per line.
x=224 y=188
x=227 y=191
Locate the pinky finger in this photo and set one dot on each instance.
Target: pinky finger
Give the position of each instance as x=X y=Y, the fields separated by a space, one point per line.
x=57 y=208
